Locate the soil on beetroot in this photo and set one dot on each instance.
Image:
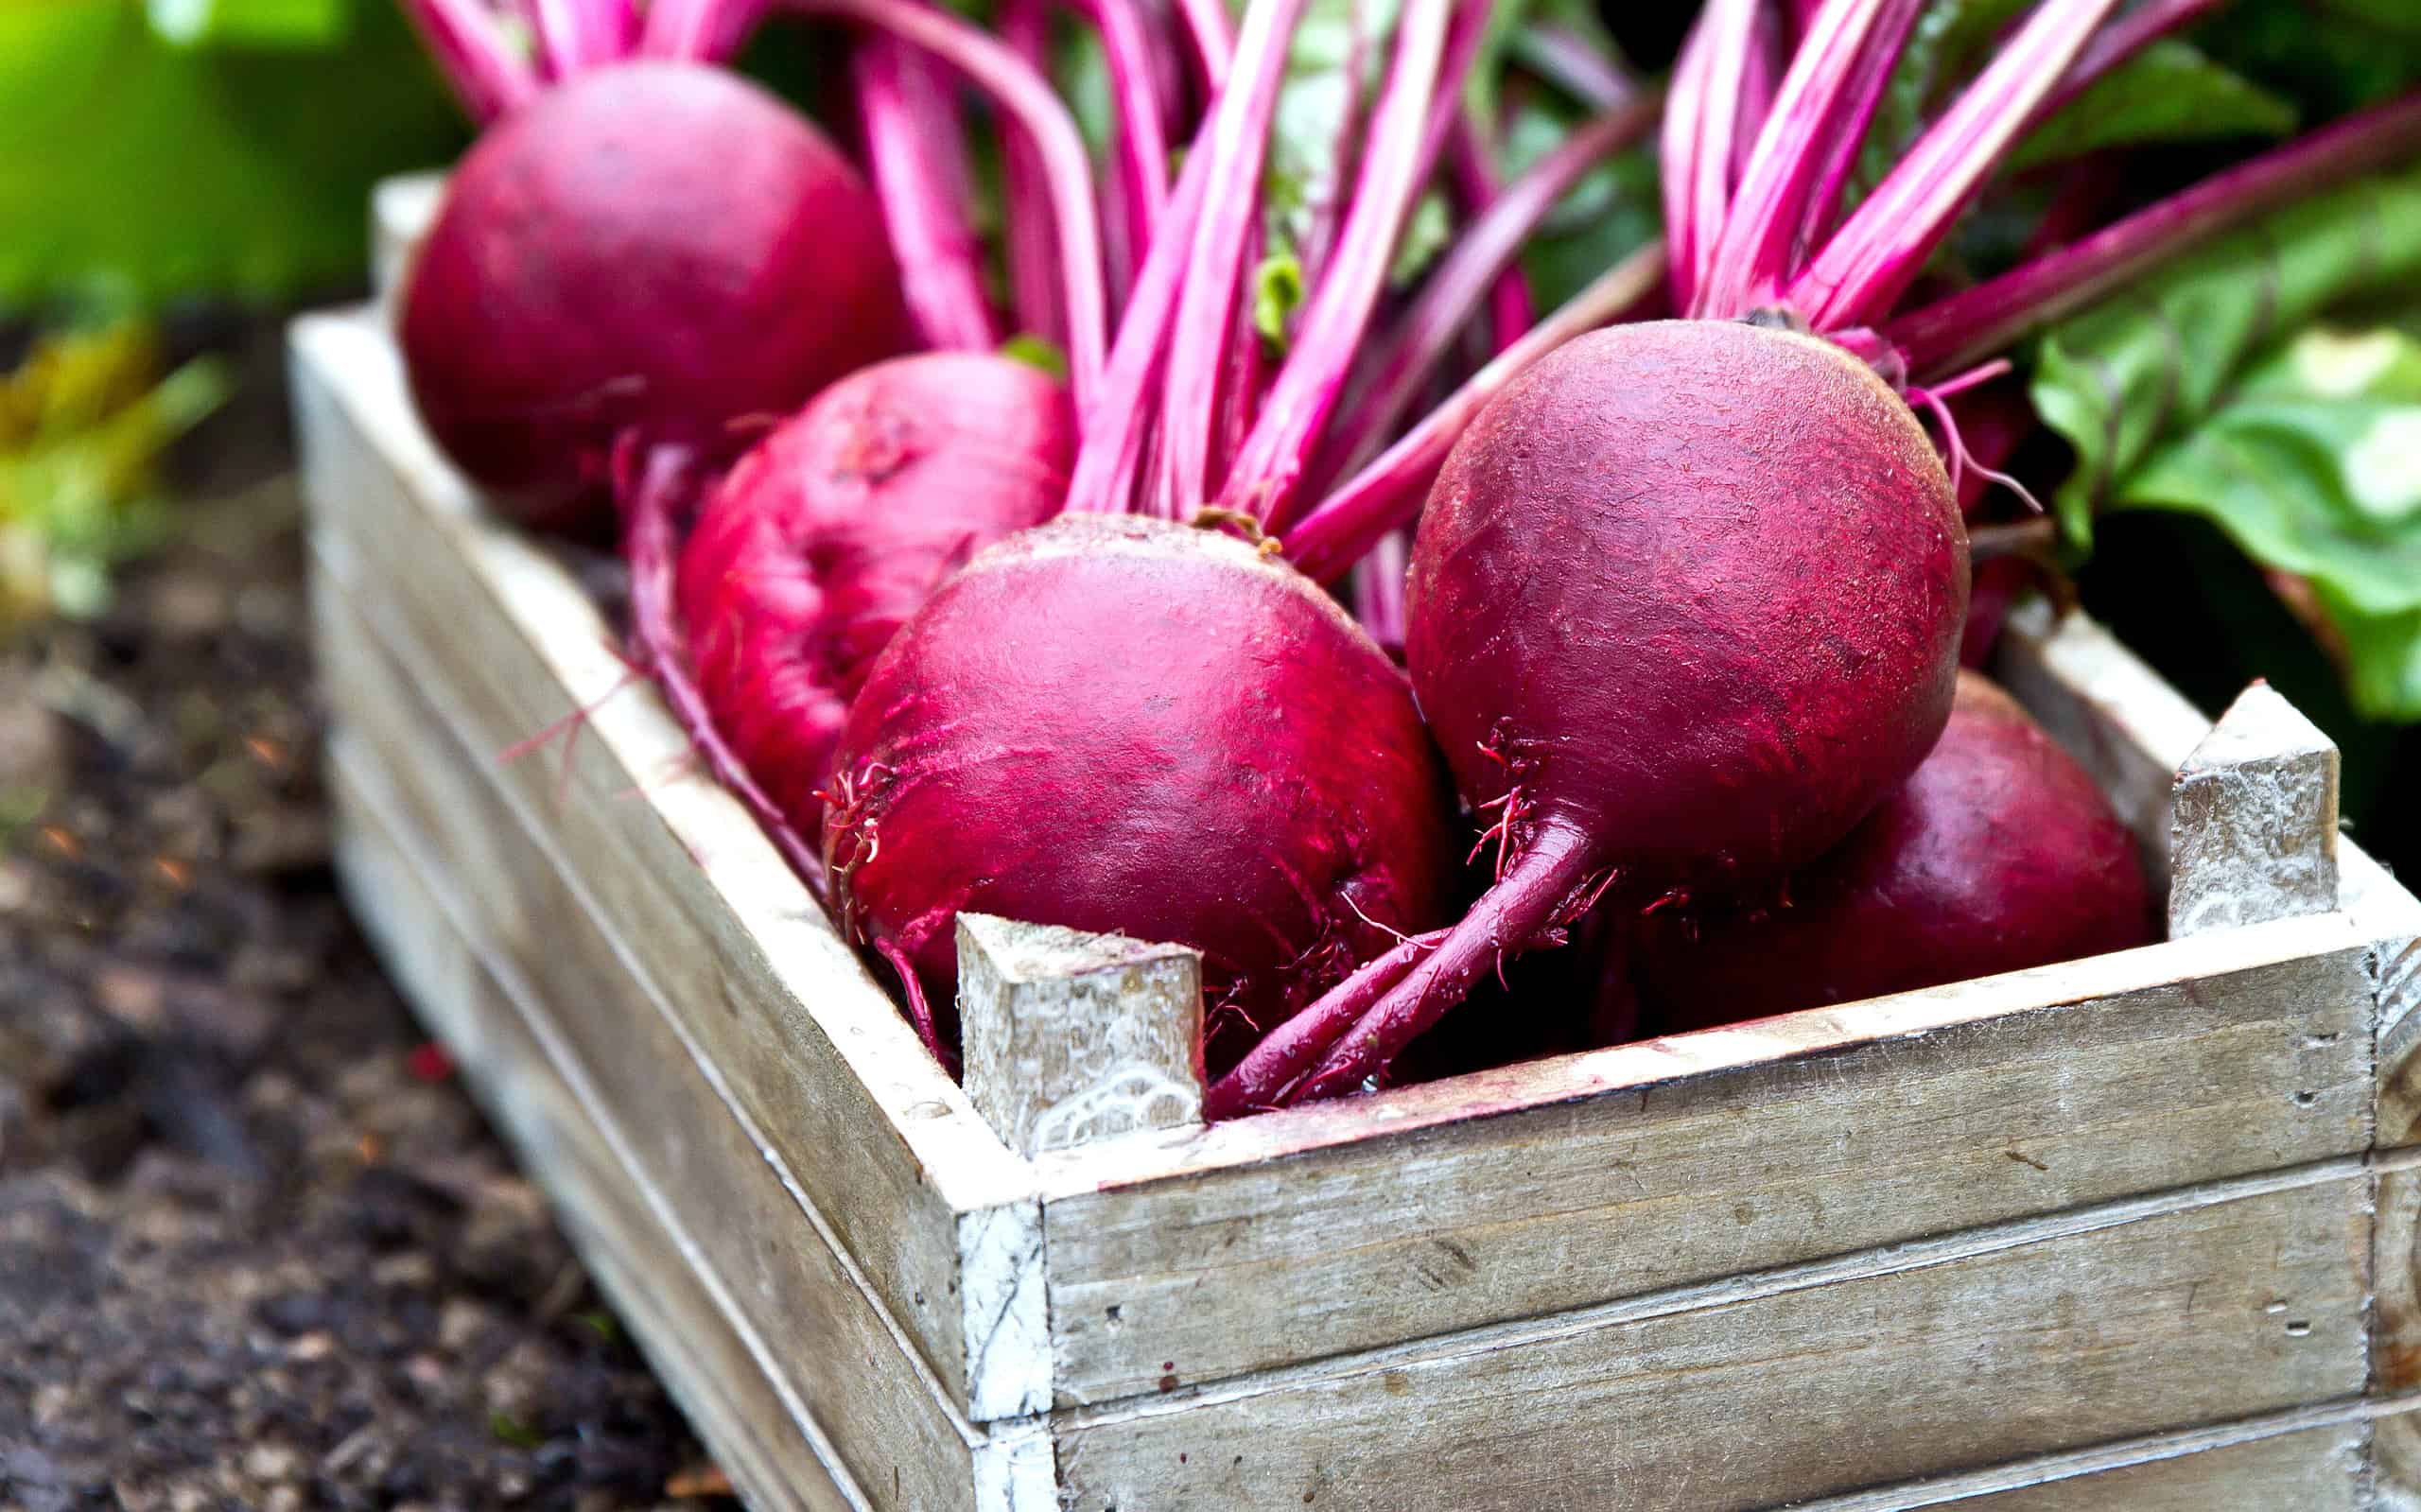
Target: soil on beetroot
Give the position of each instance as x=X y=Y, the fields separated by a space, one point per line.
x=257 y=1250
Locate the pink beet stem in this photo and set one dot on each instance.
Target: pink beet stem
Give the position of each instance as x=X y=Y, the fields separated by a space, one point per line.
x=576 y=35
x=1802 y=151
x=1240 y=389
x=2116 y=42
x=1700 y=126
x=1026 y=98
x=651 y=547
x=1260 y=1080
x=1214 y=40
x=1031 y=247
x=1111 y=448
x=1966 y=327
x=1388 y=494
x=916 y=149
x=1236 y=142
x=1760 y=79
x=1262 y=482
x=698 y=31
x=1379 y=591
x=1486 y=248
x=1326 y=210
x=469 y=48
x=1506 y=919
x=1572 y=62
x=1142 y=117
x=1872 y=259
x=1470 y=163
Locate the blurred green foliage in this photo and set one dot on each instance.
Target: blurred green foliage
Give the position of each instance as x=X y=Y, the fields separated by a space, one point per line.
x=83 y=423
x=201 y=149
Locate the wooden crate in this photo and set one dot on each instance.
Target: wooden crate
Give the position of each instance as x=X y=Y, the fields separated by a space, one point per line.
x=2099 y=1235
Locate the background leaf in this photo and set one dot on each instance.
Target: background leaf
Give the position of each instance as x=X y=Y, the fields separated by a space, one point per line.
x=2170 y=92
x=134 y=170
x=2312 y=465
x=2155 y=360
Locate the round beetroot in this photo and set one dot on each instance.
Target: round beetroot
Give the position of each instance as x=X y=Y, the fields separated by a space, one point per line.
x=1998 y=854
x=654 y=245
x=1685 y=605
x=824 y=539
x=1115 y=723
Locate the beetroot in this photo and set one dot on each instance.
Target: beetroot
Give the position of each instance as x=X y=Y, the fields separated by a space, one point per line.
x=1997 y=853
x=651 y=246
x=831 y=532
x=1115 y=724
x=1685 y=605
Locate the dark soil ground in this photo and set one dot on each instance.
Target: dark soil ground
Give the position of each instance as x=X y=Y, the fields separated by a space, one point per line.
x=257 y=1247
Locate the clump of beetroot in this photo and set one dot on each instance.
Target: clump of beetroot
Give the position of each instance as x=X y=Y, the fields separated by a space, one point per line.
x=1115 y=724
x=1685 y=605
x=834 y=529
x=657 y=248
x=1997 y=853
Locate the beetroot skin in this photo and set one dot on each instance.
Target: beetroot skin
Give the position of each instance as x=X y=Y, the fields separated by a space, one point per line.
x=652 y=245
x=1117 y=723
x=1685 y=605
x=1998 y=854
x=831 y=531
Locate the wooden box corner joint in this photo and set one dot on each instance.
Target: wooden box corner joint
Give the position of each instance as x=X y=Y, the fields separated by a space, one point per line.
x=2253 y=827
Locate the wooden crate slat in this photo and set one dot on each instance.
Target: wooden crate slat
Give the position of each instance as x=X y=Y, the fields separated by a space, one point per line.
x=2308 y=1460
x=831 y=1344
x=766 y=1443
x=1928 y=1113
x=2253 y=827
x=2166 y=1322
x=929 y=1202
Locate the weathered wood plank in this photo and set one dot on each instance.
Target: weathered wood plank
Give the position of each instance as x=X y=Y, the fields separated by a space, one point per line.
x=2253 y=827
x=1845 y=1378
x=2302 y=1460
x=831 y=1346
x=1072 y=1037
x=886 y=1147
x=400 y=210
x=1543 y=1187
x=766 y=1442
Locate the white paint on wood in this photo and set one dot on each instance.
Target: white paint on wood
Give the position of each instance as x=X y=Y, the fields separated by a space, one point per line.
x=401 y=209
x=1071 y=1037
x=1016 y=1470
x=1003 y=1297
x=2254 y=820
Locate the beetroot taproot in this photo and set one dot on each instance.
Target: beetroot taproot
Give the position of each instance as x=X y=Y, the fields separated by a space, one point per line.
x=653 y=246
x=1685 y=605
x=834 y=529
x=1115 y=723
x=1997 y=853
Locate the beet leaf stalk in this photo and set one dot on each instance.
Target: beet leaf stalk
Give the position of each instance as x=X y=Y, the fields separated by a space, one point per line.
x=916 y=152
x=469 y=48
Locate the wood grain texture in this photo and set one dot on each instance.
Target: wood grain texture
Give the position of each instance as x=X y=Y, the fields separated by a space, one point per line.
x=400 y=210
x=2305 y=1460
x=2181 y=1318
x=2253 y=825
x=1072 y=1037
x=504 y=643
x=1513 y=1194
x=763 y=1439
x=830 y=1345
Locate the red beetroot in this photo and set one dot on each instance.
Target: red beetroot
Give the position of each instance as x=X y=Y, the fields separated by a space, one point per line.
x=830 y=532
x=1685 y=605
x=1998 y=854
x=654 y=245
x=1115 y=723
